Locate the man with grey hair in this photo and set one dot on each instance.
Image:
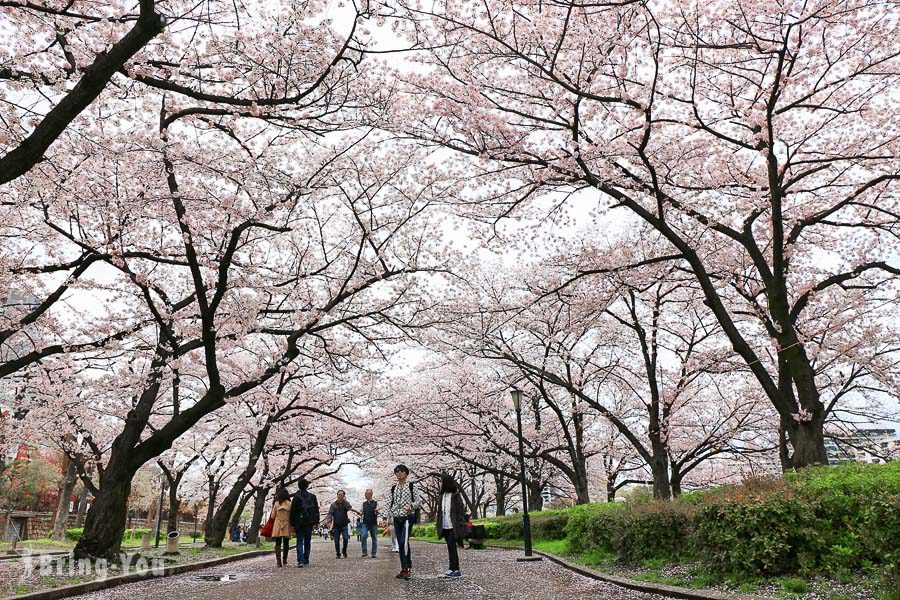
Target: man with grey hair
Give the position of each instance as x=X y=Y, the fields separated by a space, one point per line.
x=369 y=525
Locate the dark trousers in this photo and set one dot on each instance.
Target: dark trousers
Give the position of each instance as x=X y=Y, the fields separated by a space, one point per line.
x=401 y=532
x=340 y=532
x=452 y=550
x=304 y=543
x=281 y=546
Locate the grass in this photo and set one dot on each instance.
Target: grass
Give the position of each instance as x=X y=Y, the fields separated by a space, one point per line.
x=792 y=585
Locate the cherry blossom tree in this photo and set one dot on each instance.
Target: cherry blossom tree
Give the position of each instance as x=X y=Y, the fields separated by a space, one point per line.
x=750 y=137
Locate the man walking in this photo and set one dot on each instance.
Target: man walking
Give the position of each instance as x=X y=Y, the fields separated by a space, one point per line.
x=304 y=516
x=403 y=509
x=369 y=524
x=339 y=523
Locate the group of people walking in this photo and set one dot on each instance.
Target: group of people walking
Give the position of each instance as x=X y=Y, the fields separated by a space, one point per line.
x=302 y=514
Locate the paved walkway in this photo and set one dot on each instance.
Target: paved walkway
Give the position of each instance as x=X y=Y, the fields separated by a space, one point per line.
x=488 y=574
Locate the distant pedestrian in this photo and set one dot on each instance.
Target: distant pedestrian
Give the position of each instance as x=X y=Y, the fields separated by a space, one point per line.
x=281 y=529
x=304 y=516
x=451 y=521
x=404 y=506
x=369 y=524
x=339 y=523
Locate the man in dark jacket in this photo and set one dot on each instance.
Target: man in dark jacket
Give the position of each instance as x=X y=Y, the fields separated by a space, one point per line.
x=304 y=516
x=339 y=522
x=369 y=524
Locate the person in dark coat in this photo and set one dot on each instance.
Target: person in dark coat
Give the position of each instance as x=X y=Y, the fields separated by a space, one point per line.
x=451 y=521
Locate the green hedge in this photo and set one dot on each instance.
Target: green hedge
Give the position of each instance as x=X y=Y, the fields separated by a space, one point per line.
x=130 y=535
x=820 y=520
x=828 y=519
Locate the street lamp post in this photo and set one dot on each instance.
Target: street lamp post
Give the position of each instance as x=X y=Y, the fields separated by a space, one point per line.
x=526 y=520
x=162 y=497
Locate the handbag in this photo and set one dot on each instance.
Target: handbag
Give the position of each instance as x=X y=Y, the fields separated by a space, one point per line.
x=266 y=531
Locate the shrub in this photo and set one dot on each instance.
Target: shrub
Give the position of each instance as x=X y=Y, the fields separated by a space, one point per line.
x=427 y=530
x=591 y=527
x=130 y=535
x=749 y=537
x=661 y=530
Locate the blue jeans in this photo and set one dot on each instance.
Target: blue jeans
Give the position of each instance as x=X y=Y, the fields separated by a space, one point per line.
x=339 y=532
x=304 y=544
x=401 y=531
x=365 y=531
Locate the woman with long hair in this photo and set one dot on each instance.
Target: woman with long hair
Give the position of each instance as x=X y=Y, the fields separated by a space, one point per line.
x=281 y=529
x=451 y=521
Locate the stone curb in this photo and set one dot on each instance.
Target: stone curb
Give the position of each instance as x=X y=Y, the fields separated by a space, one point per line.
x=14 y=557
x=641 y=586
x=102 y=584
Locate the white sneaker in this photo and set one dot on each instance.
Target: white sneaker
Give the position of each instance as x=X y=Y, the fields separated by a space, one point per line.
x=449 y=573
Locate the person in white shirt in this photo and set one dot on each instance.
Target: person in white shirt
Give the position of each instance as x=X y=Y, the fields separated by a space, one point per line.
x=451 y=521
x=404 y=509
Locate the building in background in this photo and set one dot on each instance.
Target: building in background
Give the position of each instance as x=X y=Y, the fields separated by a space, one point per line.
x=869 y=446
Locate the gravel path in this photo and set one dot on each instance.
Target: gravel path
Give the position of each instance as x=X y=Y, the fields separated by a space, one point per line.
x=488 y=574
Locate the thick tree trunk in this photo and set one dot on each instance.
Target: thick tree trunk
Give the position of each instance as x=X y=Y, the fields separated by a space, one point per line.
x=259 y=507
x=659 y=468
x=62 y=507
x=808 y=442
x=582 y=494
x=105 y=522
x=535 y=499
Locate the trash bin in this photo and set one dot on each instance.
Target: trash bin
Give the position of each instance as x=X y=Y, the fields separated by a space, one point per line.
x=477 y=537
x=172 y=543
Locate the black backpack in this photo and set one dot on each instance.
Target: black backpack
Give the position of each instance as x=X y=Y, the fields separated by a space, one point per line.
x=309 y=509
x=417 y=513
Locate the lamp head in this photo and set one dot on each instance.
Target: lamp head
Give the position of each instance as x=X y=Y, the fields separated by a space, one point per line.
x=516 y=398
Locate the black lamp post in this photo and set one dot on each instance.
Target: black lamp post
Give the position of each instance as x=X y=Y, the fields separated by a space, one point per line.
x=526 y=520
x=162 y=498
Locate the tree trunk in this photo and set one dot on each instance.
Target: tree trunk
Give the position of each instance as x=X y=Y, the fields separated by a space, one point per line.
x=219 y=528
x=808 y=442
x=174 y=505
x=62 y=508
x=259 y=507
x=217 y=531
x=105 y=522
x=582 y=494
x=211 y=505
x=675 y=480
x=611 y=490
x=535 y=499
x=82 y=507
x=501 y=495
x=659 y=467
x=236 y=517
